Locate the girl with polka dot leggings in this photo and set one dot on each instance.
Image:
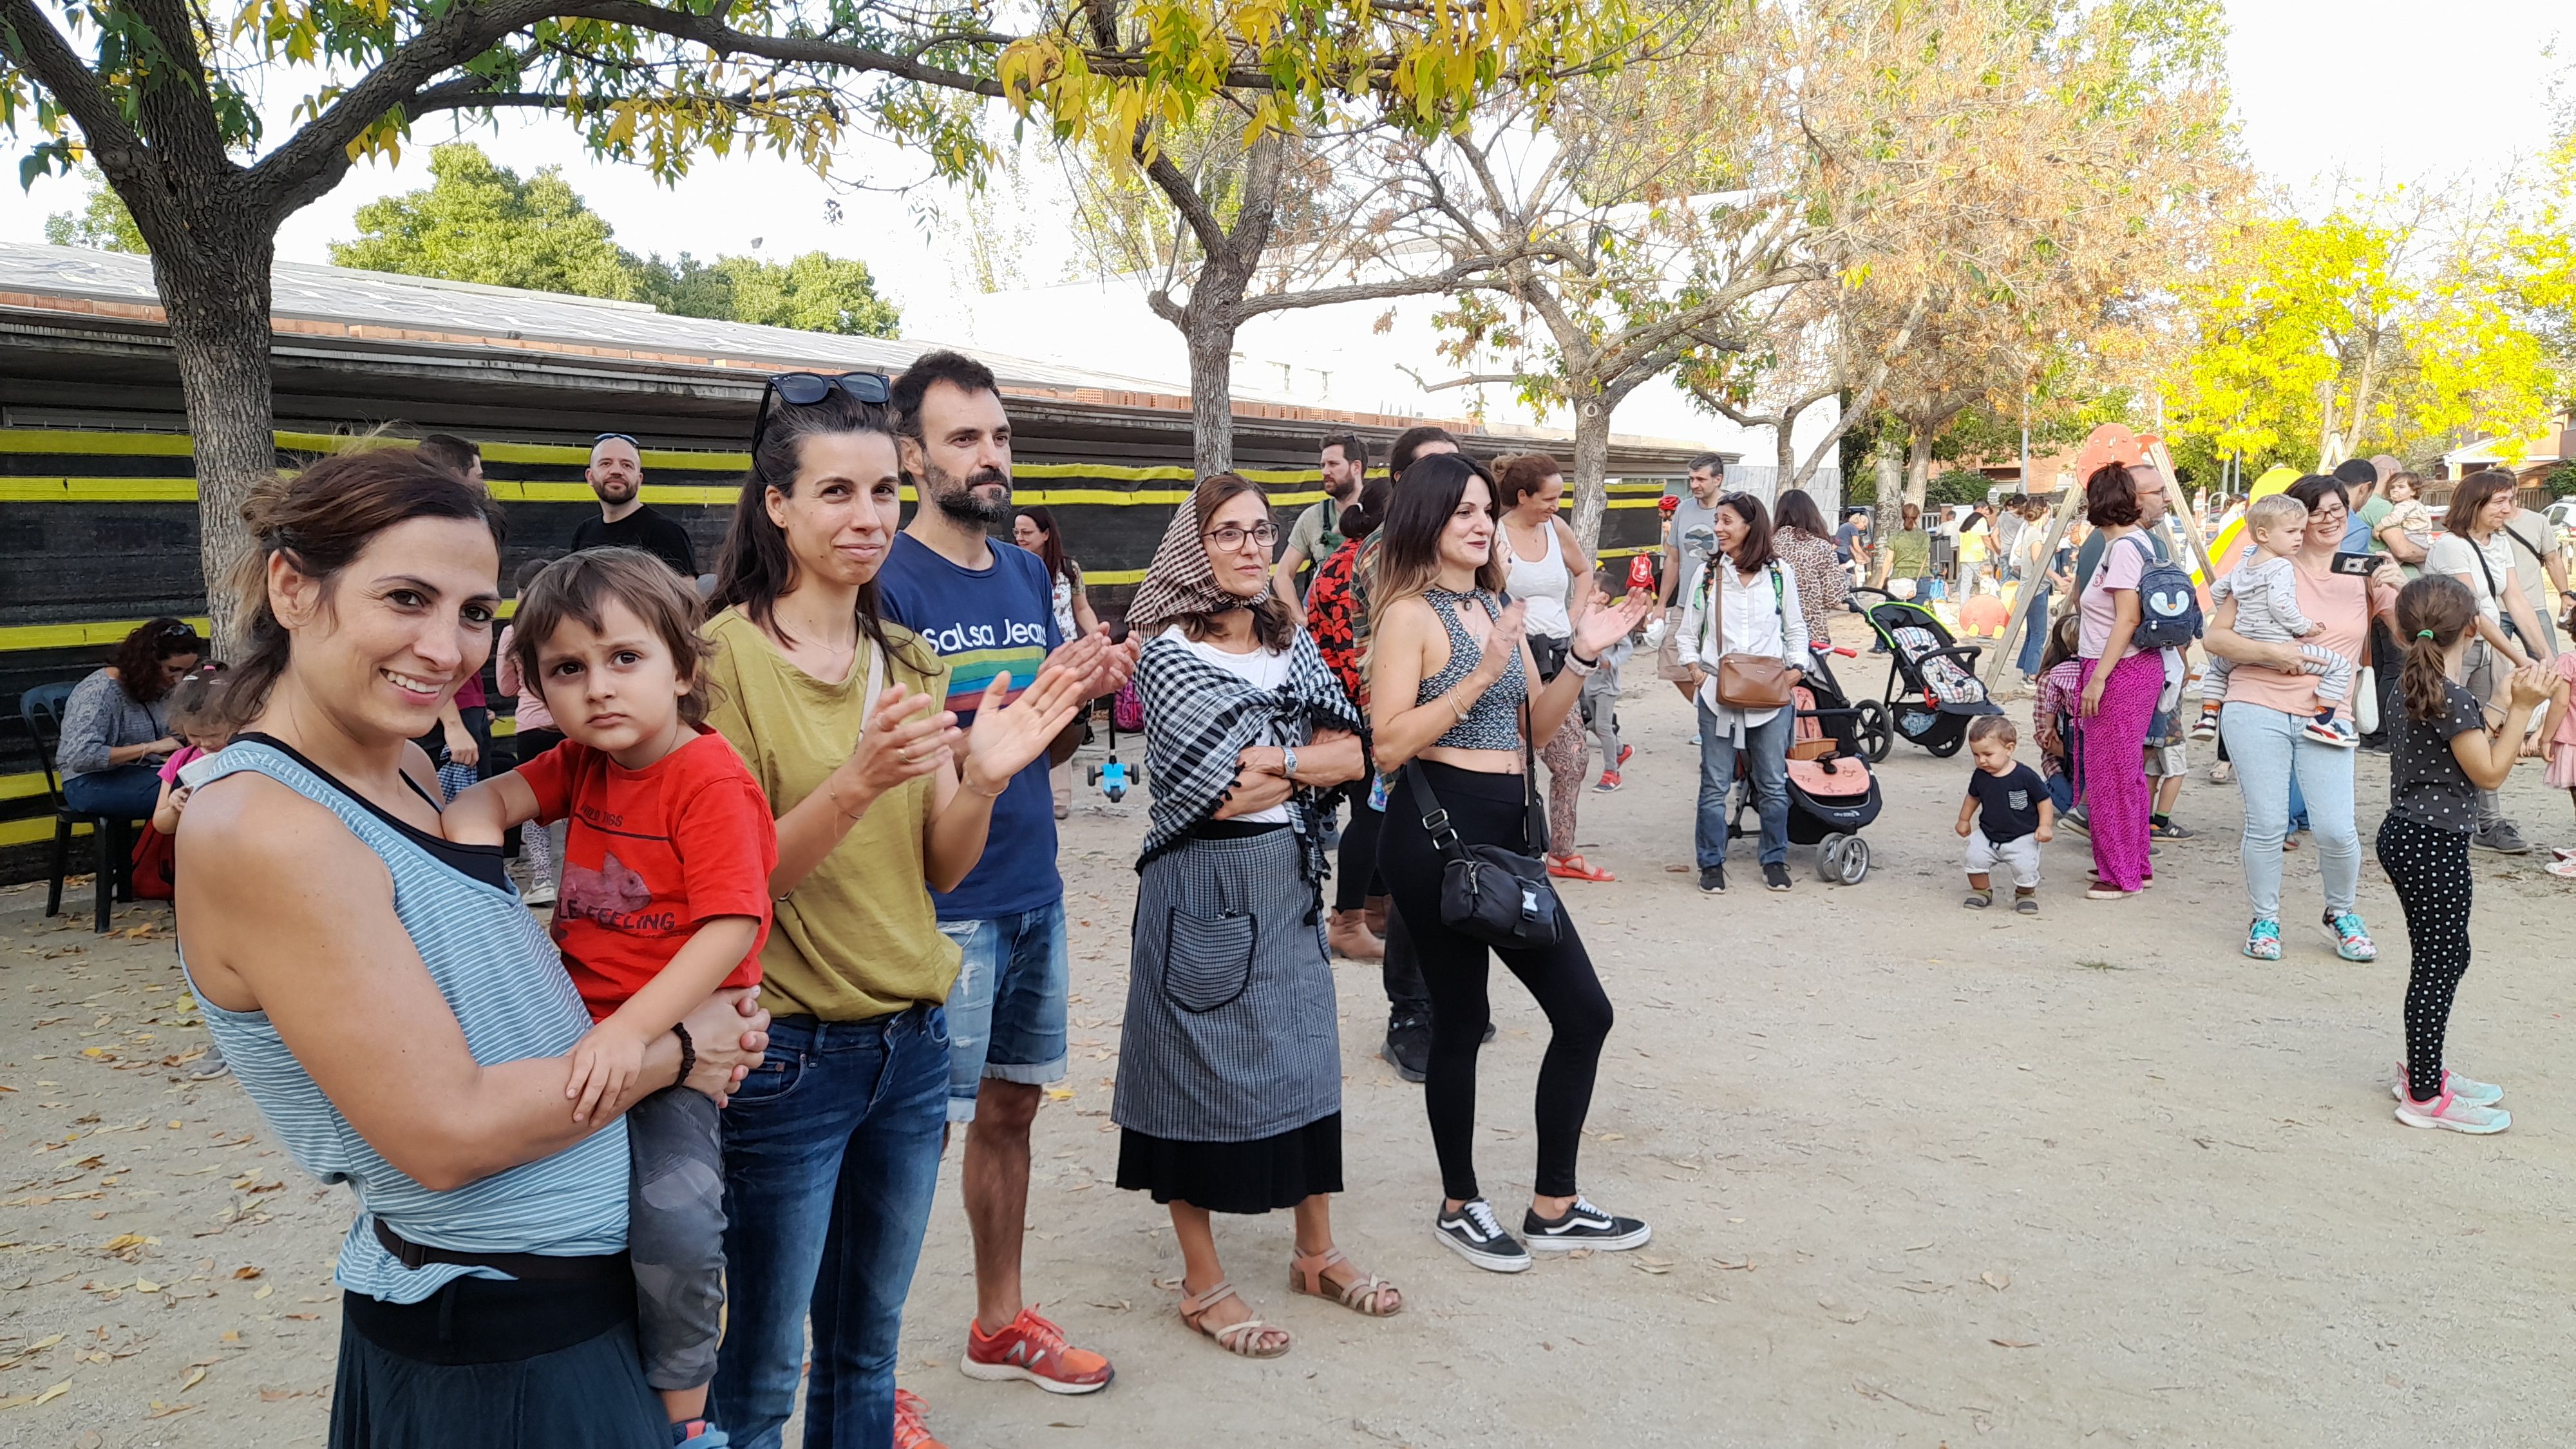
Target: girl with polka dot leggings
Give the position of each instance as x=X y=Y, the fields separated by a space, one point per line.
x=2441 y=753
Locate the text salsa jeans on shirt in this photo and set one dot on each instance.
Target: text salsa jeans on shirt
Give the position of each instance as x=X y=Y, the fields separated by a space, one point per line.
x=831 y=1152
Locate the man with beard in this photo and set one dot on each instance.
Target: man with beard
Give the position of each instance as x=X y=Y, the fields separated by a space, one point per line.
x=616 y=475
x=990 y=611
x=1318 y=532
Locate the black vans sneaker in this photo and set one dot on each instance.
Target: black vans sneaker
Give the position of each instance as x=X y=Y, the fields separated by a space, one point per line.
x=1475 y=1234
x=1583 y=1226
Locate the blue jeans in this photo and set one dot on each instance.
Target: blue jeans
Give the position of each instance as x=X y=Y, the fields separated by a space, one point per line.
x=831 y=1152
x=1006 y=1012
x=1767 y=745
x=2272 y=759
x=129 y=791
x=2034 y=629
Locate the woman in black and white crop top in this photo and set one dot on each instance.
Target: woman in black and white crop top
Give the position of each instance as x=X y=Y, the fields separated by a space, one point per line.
x=1450 y=685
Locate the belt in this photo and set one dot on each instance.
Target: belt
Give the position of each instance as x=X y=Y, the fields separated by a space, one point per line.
x=537 y=1266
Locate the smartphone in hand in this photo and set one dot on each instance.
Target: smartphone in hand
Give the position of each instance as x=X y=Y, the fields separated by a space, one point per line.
x=2358 y=565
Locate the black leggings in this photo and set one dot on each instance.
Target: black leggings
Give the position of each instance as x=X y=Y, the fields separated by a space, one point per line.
x=1355 y=874
x=2430 y=869
x=1488 y=810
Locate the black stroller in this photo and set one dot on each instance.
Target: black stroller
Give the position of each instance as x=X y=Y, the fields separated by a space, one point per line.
x=1932 y=685
x=1832 y=794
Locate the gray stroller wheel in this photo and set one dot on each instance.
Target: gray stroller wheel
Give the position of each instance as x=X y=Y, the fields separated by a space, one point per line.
x=1829 y=865
x=1855 y=861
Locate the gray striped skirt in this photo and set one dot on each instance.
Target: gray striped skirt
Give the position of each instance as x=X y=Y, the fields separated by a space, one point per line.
x=1232 y=1032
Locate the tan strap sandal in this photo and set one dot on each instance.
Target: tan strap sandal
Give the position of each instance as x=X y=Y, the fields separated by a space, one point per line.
x=1372 y=1296
x=1251 y=1338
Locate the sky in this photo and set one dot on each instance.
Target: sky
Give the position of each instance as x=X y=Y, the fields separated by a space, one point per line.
x=2374 y=90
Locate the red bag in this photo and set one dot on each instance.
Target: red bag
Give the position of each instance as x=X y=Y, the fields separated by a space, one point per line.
x=156 y=864
x=1127 y=709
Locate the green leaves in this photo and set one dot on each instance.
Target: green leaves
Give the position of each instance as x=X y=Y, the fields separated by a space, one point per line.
x=479 y=221
x=102 y=223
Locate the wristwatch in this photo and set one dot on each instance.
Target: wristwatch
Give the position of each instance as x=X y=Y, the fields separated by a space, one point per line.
x=1288 y=762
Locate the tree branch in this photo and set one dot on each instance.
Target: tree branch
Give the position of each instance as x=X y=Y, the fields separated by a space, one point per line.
x=1471 y=380
x=29 y=41
x=318 y=156
x=173 y=100
x=1180 y=191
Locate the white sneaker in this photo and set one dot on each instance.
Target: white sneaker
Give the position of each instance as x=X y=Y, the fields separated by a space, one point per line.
x=540 y=892
x=2467 y=1089
x=2451 y=1113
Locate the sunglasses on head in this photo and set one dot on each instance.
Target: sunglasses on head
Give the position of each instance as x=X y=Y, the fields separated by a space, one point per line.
x=627 y=438
x=807 y=388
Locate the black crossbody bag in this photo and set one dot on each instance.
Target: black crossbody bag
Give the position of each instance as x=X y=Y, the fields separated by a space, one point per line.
x=1501 y=897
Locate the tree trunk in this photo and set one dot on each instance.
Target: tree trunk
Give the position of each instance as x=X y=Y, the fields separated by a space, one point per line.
x=1591 y=472
x=1891 y=508
x=1211 y=344
x=1918 y=466
x=219 y=328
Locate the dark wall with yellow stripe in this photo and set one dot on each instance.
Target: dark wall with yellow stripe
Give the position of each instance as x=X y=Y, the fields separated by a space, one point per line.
x=98 y=531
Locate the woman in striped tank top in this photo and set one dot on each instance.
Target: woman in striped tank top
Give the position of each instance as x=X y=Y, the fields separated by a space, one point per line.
x=401 y=1021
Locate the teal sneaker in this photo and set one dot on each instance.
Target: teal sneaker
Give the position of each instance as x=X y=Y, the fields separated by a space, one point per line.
x=2352 y=941
x=2467 y=1089
x=2263 y=941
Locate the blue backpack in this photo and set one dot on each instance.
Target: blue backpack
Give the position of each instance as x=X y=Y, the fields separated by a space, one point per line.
x=2168 y=605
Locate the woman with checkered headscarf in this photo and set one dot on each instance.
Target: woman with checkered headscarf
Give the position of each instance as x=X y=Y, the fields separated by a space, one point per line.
x=1229 y=1070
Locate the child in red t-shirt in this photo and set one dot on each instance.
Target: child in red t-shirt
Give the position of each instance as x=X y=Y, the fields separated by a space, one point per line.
x=665 y=899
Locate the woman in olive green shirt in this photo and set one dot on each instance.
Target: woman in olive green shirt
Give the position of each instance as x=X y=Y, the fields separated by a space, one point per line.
x=1908 y=555
x=832 y=1143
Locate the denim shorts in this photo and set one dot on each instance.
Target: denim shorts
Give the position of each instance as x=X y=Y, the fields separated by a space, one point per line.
x=1006 y=1014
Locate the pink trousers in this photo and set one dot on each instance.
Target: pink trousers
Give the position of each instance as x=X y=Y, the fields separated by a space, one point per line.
x=2117 y=795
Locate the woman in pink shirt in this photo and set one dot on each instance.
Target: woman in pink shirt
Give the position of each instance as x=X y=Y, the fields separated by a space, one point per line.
x=2261 y=721
x=2121 y=681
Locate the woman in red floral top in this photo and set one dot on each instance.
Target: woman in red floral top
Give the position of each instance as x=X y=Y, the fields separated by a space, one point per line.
x=1333 y=608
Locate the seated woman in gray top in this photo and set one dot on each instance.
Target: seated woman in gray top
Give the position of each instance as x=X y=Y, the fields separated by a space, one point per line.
x=116 y=727
x=397 y=1015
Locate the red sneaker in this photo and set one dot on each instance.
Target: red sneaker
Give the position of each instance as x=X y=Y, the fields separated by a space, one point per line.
x=1624 y=752
x=1609 y=781
x=909 y=1431
x=1034 y=1349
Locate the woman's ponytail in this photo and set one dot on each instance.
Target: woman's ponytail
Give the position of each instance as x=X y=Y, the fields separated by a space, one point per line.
x=2432 y=613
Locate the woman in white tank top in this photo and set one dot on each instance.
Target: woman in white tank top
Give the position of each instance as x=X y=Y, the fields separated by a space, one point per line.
x=1550 y=575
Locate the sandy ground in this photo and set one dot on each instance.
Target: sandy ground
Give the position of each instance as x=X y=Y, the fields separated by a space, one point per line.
x=1918 y=1177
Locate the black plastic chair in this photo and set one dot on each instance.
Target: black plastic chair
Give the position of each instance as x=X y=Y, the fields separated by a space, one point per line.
x=42 y=709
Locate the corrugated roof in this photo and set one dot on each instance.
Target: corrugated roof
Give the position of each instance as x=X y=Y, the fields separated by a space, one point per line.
x=346 y=296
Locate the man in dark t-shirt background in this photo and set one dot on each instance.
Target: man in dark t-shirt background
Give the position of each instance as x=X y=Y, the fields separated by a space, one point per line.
x=616 y=476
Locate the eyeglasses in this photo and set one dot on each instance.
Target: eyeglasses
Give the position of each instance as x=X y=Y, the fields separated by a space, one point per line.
x=804 y=389
x=1231 y=537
